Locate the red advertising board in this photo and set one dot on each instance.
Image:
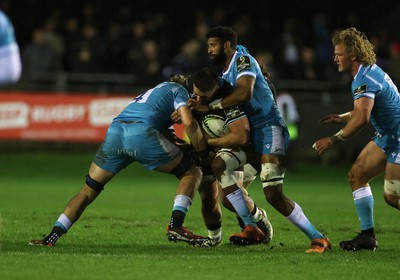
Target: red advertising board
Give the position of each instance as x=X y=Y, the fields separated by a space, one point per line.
x=59 y=117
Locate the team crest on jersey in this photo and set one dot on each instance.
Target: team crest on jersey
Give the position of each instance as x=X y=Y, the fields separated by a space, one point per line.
x=243 y=62
x=360 y=90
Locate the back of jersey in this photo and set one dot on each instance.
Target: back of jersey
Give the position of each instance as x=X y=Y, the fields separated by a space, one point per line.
x=155 y=106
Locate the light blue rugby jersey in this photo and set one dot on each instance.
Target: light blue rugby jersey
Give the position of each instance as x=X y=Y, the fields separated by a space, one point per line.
x=261 y=109
x=7 y=36
x=155 y=106
x=372 y=82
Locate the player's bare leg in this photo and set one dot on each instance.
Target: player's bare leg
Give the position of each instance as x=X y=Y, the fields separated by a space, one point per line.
x=272 y=174
x=94 y=183
x=223 y=167
x=370 y=163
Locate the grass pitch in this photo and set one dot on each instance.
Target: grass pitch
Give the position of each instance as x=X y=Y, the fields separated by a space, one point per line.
x=122 y=234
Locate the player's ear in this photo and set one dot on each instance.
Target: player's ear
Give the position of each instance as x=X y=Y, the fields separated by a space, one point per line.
x=227 y=46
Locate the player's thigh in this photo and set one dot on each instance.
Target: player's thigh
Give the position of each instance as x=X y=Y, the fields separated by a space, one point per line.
x=271 y=140
x=370 y=163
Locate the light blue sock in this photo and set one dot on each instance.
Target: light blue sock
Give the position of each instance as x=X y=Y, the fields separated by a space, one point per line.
x=63 y=222
x=364 y=202
x=300 y=220
x=237 y=200
x=182 y=203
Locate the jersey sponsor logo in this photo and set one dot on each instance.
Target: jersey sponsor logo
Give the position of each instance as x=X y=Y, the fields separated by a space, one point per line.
x=360 y=90
x=233 y=112
x=243 y=62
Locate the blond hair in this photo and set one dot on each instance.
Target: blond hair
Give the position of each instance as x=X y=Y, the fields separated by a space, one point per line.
x=355 y=44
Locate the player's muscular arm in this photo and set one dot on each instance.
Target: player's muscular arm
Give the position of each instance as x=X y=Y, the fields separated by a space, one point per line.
x=192 y=128
x=360 y=116
x=239 y=135
x=243 y=92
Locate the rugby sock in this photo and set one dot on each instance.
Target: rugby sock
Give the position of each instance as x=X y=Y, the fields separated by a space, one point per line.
x=215 y=231
x=55 y=234
x=63 y=222
x=364 y=202
x=300 y=220
x=181 y=207
x=237 y=200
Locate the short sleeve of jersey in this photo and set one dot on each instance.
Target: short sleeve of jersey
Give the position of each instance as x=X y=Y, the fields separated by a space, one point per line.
x=365 y=90
x=245 y=66
x=181 y=97
x=366 y=85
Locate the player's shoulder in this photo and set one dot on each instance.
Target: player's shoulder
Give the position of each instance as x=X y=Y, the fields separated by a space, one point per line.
x=243 y=61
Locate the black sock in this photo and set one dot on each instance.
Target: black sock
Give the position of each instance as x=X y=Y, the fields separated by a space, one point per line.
x=214 y=226
x=369 y=232
x=177 y=219
x=254 y=210
x=54 y=235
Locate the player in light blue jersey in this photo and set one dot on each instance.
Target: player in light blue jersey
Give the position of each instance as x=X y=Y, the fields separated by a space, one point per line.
x=10 y=59
x=136 y=135
x=376 y=100
x=268 y=130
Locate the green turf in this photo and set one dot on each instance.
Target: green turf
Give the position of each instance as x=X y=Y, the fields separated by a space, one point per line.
x=122 y=235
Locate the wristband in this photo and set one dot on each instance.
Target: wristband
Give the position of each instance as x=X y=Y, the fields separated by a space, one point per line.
x=338 y=137
x=216 y=104
x=345 y=116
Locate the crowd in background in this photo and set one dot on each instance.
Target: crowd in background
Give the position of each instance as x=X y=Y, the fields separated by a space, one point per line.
x=160 y=39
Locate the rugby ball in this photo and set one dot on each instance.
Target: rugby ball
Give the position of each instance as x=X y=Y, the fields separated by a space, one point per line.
x=214 y=125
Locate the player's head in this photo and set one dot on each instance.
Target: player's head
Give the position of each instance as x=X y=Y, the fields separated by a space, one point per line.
x=352 y=45
x=205 y=85
x=220 y=39
x=185 y=81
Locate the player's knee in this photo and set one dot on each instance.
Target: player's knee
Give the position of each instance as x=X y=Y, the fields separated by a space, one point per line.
x=356 y=176
x=271 y=174
x=218 y=167
x=93 y=184
x=224 y=165
x=391 y=193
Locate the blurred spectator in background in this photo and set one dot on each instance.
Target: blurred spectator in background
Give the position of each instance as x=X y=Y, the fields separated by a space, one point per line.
x=308 y=68
x=267 y=61
x=189 y=60
x=10 y=59
x=38 y=57
x=137 y=36
x=192 y=55
x=288 y=49
x=72 y=42
x=287 y=107
x=322 y=39
x=91 y=39
x=150 y=68
x=115 y=55
x=394 y=63
x=84 y=61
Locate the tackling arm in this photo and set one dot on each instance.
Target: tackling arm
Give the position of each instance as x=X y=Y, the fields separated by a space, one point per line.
x=192 y=129
x=243 y=92
x=239 y=135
